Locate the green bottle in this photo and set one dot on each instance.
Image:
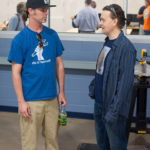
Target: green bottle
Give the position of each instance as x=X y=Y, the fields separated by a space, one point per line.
x=62 y=116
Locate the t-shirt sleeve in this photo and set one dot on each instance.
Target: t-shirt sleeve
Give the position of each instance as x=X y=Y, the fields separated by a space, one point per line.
x=141 y=10
x=59 y=46
x=16 y=53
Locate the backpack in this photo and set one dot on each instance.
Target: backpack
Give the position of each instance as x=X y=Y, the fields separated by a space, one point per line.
x=18 y=22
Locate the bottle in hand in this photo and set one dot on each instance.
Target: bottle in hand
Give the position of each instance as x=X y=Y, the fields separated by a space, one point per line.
x=62 y=116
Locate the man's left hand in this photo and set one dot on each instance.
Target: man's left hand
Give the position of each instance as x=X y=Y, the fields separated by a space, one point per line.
x=62 y=99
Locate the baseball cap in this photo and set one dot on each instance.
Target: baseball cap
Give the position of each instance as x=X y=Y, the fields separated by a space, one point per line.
x=37 y=4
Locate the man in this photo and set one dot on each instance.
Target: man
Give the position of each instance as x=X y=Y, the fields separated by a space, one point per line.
x=141 y=21
x=113 y=81
x=146 y=26
x=35 y=54
x=87 y=19
x=17 y=22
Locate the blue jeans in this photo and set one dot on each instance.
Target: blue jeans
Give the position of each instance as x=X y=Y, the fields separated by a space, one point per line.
x=146 y=32
x=109 y=136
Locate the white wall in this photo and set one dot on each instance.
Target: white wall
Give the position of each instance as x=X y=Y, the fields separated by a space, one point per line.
x=8 y=8
x=61 y=14
x=134 y=5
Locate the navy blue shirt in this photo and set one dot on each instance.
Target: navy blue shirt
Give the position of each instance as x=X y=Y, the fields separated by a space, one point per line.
x=141 y=10
x=101 y=61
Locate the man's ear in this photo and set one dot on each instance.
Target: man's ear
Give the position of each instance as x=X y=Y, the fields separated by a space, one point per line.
x=115 y=21
x=31 y=11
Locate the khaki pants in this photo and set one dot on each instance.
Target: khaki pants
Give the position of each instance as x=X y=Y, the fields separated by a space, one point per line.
x=44 y=114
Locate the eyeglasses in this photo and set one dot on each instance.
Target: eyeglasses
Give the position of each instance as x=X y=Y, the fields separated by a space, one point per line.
x=112 y=10
x=39 y=37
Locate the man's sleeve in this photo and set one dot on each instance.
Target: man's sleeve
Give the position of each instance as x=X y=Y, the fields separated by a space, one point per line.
x=73 y=24
x=59 y=46
x=76 y=21
x=98 y=20
x=141 y=10
x=125 y=82
x=16 y=53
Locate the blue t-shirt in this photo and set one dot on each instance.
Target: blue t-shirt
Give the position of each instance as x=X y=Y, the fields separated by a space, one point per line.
x=38 y=64
x=100 y=67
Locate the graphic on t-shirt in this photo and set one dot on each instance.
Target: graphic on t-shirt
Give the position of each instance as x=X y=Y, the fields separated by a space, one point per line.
x=39 y=51
x=101 y=59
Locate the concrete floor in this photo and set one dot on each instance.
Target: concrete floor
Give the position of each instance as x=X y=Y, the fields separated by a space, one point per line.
x=77 y=131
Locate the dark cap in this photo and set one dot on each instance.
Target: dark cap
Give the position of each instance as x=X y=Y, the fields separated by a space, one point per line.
x=37 y=4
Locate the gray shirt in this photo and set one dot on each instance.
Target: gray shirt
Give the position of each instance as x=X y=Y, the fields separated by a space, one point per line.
x=87 y=19
x=13 y=23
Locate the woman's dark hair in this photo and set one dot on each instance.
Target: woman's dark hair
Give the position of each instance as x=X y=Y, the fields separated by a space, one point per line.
x=21 y=7
x=116 y=12
x=25 y=15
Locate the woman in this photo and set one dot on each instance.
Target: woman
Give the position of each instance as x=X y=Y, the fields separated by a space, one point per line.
x=113 y=81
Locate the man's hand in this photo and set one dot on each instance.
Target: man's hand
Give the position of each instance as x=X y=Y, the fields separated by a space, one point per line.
x=62 y=99
x=60 y=79
x=72 y=18
x=24 y=109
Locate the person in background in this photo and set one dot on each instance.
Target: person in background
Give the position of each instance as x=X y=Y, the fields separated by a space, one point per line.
x=17 y=22
x=146 y=15
x=93 y=5
x=87 y=19
x=141 y=20
x=35 y=55
x=113 y=81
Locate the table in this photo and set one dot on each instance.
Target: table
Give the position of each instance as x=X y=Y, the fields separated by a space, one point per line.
x=139 y=99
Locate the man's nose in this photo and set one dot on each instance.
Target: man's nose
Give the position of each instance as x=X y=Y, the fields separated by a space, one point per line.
x=100 y=24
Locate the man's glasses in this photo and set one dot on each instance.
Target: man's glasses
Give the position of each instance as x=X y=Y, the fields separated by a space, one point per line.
x=39 y=37
x=112 y=10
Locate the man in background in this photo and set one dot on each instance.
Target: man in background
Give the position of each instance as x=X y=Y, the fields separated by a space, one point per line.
x=141 y=21
x=87 y=20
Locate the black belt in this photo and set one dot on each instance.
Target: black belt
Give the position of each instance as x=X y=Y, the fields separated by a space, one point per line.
x=86 y=31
